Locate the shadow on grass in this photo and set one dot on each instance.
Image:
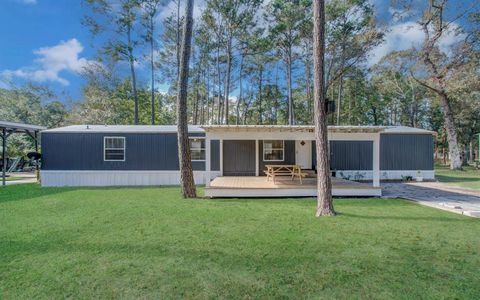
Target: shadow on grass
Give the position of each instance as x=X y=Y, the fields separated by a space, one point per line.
x=445 y=178
x=34 y=190
x=403 y=218
x=28 y=191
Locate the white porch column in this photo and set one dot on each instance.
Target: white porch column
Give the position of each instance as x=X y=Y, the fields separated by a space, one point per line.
x=376 y=160
x=221 y=157
x=257 y=159
x=207 y=161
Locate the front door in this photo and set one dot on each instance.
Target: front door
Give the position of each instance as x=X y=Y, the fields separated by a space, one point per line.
x=303 y=154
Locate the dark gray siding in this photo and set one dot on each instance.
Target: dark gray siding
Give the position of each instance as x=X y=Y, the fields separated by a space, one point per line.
x=397 y=152
x=406 y=152
x=84 y=151
x=215 y=155
x=289 y=156
x=239 y=158
x=348 y=155
x=351 y=155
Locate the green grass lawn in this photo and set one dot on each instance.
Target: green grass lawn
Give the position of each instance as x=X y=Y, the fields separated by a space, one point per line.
x=149 y=243
x=469 y=177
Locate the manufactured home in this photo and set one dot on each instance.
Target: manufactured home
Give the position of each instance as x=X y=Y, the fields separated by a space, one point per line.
x=232 y=160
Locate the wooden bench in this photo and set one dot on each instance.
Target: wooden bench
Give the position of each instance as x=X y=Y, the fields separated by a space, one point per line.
x=284 y=170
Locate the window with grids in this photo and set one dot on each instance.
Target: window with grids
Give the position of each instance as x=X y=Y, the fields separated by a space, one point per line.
x=197 y=148
x=273 y=150
x=114 y=148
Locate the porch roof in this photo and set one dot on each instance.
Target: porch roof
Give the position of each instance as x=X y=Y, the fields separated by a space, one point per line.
x=311 y=128
x=291 y=128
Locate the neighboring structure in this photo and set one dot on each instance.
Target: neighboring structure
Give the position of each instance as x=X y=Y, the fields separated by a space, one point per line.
x=9 y=128
x=85 y=155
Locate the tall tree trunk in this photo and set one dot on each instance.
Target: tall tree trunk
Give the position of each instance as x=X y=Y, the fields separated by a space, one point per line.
x=202 y=107
x=324 y=184
x=291 y=120
x=275 y=111
x=152 y=66
x=207 y=95
x=260 y=86
x=196 y=100
x=340 y=85
x=177 y=42
x=471 y=157
x=453 y=149
x=339 y=99
x=465 y=155
x=435 y=15
x=219 y=117
x=131 y=60
x=227 y=76
x=240 y=96
x=184 y=155
x=308 y=89
x=349 y=117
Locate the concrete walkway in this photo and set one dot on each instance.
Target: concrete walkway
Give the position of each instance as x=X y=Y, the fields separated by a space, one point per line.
x=438 y=195
x=24 y=177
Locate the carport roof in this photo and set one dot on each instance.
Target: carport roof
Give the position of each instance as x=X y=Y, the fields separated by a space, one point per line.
x=20 y=127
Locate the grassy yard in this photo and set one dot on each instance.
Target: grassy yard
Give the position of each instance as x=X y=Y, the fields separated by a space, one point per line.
x=469 y=177
x=149 y=243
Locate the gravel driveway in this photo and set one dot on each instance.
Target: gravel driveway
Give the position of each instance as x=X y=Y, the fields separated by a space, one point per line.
x=435 y=194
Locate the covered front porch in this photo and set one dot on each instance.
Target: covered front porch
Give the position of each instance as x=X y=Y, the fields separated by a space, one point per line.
x=237 y=156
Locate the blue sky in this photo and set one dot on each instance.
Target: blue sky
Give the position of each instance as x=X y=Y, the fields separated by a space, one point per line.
x=29 y=25
x=44 y=41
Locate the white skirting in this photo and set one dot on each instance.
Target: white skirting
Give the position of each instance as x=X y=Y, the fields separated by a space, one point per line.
x=117 y=178
x=385 y=175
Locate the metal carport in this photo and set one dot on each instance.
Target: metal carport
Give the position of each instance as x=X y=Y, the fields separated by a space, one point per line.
x=8 y=128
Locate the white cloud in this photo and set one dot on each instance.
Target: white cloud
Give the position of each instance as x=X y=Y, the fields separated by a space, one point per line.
x=51 y=62
x=27 y=1
x=407 y=35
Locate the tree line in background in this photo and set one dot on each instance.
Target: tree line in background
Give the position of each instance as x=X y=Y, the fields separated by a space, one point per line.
x=252 y=63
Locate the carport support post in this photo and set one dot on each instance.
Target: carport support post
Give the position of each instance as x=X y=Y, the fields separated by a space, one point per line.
x=4 y=156
x=376 y=160
x=35 y=137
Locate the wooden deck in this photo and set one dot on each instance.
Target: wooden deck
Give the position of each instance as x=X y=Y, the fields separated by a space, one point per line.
x=251 y=186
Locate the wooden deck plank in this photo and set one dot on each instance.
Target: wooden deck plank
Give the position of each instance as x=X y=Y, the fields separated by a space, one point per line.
x=262 y=183
x=259 y=187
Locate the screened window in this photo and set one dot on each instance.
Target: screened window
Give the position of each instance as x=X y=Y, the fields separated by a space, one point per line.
x=273 y=150
x=114 y=148
x=197 y=148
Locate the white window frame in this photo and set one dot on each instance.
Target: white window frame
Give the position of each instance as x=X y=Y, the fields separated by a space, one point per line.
x=204 y=148
x=105 y=148
x=283 y=150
